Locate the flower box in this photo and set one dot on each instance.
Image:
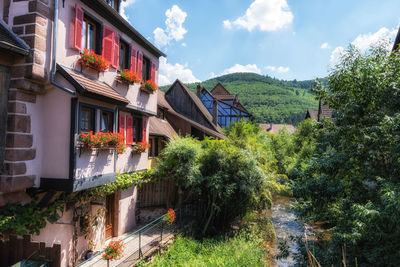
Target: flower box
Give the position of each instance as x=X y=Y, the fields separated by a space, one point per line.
x=102 y=140
x=140 y=147
x=90 y=59
x=149 y=87
x=129 y=77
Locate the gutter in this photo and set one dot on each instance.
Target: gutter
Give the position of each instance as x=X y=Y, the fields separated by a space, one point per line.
x=54 y=52
x=14 y=48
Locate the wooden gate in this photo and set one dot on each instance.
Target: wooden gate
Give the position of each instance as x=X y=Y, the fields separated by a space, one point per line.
x=156 y=194
x=16 y=249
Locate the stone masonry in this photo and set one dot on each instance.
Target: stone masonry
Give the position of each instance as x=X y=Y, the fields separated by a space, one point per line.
x=31 y=20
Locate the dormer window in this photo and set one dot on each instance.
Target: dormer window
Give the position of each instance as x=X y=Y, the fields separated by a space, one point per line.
x=114 y=4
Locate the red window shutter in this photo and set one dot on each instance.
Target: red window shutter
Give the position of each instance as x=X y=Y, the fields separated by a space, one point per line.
x=129 y=129
x=121 y=122
x=144 y=129
x=153 y=72
x=78 y=22
x=116 y=51
x=140 y=65
x=108 y=44
x=133 y=59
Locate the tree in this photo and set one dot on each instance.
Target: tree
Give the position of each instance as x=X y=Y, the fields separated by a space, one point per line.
x=353 y=180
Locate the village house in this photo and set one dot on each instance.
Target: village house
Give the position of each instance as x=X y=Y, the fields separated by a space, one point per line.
x=323 y=111
x=224 y=106
x=53 y=96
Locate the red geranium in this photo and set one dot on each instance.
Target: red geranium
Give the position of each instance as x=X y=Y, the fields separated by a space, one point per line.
x=170 y=217
x=100 y=139
x=114 y=250
x=129 y=76
x=90 y=59
x=141 y=146
x=150 y=85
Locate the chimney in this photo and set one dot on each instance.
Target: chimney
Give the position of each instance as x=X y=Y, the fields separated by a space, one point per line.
x=215 y=111
x=198 y=90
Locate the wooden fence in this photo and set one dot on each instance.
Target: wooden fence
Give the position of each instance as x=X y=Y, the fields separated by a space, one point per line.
x=16 y=249
x=156 y=194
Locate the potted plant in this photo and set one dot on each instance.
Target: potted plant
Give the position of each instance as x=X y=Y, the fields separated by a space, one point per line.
x=140 y=147
x=149 y=87
x=129 y=77
x=113 y=251
x=90 y=59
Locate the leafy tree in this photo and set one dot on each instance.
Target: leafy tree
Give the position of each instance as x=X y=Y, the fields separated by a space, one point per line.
x=353 y=180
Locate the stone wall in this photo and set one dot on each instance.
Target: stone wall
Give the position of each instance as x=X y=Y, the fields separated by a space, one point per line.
x=32 y=22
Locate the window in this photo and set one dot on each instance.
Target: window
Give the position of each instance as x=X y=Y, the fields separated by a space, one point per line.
x=161 y=114
x=107 y=121
x=89 y=32
x=123 y=55
x=87 y=119
x=146 y=69
x=114 y=4
x=153 y=150
x=131 y=127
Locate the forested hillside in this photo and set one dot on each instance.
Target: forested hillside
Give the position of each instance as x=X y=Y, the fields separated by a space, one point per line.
x=268 y=99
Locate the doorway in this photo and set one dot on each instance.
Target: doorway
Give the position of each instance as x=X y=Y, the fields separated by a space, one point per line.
x=110 y=216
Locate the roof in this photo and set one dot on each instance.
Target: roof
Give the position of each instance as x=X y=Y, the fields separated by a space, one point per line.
x=312 y=113
x=197 y=101
x=9 y=41
x=396 y=42
x=162 y=102
x=219 y=89
x=107 y=12
x=274 y=128
x=161 y=127
x=88 y=86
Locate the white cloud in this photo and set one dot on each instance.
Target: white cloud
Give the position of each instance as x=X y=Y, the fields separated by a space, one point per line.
x=124 y=5
x=174 y=29
x=325 y=46
x=336 y=54
x=279 y=69
x=365 y=41
x=168 y=73
x=184 y=44
x=266 y=15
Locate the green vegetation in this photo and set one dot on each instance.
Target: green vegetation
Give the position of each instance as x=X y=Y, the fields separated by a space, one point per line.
x=225 y=178
x=227 y=251
x=350 y=178
x=268 y=99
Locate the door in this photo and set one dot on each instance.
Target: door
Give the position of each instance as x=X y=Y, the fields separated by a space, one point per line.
x=110 y=210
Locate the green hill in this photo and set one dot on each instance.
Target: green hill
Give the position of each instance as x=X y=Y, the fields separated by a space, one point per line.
x=268 y=99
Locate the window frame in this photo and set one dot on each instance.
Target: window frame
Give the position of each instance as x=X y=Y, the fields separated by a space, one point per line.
x=116 y=3
x=126 y=55
x=112 y=112
x=98 y=42
x=154 y=147
x=88 y=106
x=146 y=68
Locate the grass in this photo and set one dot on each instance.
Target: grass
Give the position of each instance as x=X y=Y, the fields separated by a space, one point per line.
x=240 y=250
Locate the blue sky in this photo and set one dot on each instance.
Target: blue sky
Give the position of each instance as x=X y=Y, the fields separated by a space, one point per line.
x=287 y=39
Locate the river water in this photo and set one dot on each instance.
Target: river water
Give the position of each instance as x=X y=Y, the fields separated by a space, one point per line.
x=286 y=226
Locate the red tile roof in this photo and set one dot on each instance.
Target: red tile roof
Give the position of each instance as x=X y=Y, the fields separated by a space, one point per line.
x=274 y=128
x=91 y=85
x=161 y=127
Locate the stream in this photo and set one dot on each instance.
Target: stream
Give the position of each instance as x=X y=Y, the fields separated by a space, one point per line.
x=286 y=225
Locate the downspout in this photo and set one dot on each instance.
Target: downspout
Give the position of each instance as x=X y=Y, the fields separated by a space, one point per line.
x=53 y=59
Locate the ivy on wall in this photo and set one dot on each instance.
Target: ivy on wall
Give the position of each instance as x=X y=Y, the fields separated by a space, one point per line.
x=32 y=217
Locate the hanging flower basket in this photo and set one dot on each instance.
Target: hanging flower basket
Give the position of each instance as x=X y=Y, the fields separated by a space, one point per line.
x=149 y=87
x=114 y=250
x=90 y=59
x=129 y=77
x=140 y=147
x=102 y=140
